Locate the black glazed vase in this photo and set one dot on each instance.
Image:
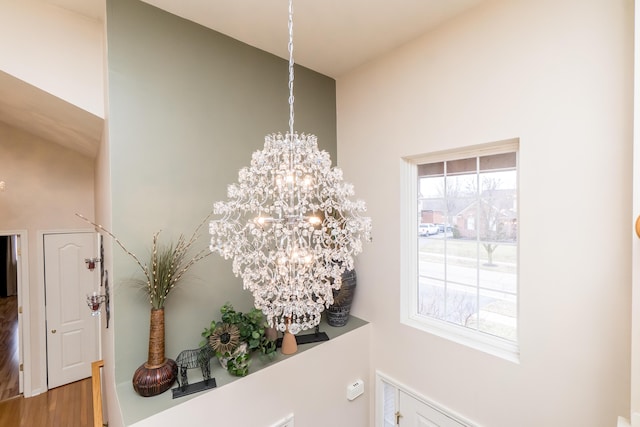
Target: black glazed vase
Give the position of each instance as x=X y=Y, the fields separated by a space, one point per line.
x=338 y=313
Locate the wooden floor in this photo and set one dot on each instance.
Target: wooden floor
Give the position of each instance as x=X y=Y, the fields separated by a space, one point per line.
x=9 y=357
x=66 y=406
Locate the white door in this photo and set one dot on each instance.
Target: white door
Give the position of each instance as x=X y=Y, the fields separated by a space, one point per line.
x=416 y=413
x=72 y=342
x=397 y=406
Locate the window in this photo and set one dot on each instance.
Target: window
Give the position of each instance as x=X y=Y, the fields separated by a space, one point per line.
x=462 y=282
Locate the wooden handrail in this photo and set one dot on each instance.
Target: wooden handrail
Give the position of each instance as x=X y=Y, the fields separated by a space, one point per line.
x=96 y=388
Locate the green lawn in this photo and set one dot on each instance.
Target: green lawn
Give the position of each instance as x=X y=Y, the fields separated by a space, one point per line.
x=464 y=253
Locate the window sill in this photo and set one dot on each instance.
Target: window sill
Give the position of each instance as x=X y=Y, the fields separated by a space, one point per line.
x=486 y=343
x=136 y=408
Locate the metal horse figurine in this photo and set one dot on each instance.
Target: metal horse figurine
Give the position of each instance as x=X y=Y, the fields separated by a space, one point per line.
x=189 y=359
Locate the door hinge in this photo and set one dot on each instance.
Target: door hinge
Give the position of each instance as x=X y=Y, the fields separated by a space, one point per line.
x=398 y=416
x=21 y=367
x=19 y=251
x=20 y=310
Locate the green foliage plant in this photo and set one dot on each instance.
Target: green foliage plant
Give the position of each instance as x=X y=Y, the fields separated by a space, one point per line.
x=238 y=365
x=252 y=326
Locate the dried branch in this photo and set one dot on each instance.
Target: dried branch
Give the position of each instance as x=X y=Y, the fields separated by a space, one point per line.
x=169 y=263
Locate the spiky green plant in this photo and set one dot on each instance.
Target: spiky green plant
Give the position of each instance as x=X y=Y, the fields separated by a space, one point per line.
x=168 y=263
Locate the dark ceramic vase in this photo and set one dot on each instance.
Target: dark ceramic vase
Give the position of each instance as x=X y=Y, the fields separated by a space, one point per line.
x=338 y=313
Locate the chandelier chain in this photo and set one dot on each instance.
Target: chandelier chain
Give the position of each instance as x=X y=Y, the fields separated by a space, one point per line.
x=291 y=98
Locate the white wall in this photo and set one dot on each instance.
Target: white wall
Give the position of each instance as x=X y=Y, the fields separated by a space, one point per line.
x=635 y=263
x=312 y=385
x=55 y=50
x=46 y=185
x=103 y=214
x=557 y=75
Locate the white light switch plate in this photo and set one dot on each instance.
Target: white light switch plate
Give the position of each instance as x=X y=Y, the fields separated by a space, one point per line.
x=285 y=422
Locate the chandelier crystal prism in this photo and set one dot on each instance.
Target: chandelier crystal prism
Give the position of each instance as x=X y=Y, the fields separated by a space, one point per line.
x=290 y=225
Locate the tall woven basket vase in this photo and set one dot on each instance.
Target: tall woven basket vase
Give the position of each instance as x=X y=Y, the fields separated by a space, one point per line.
x=158 y=374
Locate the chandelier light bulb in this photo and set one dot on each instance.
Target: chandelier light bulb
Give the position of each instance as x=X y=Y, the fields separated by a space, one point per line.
x=290 y=226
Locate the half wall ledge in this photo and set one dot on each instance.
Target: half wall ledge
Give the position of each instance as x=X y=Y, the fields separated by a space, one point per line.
x=136 y=408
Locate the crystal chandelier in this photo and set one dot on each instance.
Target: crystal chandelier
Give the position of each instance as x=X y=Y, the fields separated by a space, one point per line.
x=290 y=226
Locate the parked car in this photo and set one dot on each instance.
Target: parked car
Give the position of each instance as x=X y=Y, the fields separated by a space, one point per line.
x=427 y=229
x=443 y=227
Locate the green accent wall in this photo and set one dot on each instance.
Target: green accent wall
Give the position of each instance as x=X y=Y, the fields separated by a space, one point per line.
x=187 y=107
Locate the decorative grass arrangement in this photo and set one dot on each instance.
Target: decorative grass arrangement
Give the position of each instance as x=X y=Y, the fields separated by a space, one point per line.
x=168 y=263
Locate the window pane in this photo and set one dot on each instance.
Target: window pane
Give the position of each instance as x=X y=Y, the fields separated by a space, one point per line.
x=461 y=304
x=462 y=186
x=431 y=297
x=431 y=187
x=501 y=272
x=463 y=213
x=461 y=166
x=498 y=161
x=389 y=405
x=431 y=261
x=498 y=314
x=462 y=261
x=431 y=169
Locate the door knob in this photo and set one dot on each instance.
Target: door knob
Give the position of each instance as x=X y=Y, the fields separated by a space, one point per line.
x=53 y=331
x=638 y=226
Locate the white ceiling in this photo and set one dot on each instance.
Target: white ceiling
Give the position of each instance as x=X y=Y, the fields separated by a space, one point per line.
x=330 y=36
x=38 y=112
x=91 y=8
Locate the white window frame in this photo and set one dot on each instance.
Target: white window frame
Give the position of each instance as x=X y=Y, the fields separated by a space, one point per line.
x=493 y=345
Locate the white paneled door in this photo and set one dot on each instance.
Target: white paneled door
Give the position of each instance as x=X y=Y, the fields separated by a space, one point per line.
x=416 y=413
x=396 y=406
x=72 y=342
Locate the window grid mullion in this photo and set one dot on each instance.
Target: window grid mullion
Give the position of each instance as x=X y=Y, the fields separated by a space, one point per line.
x=478 y=225
x=446 y=281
